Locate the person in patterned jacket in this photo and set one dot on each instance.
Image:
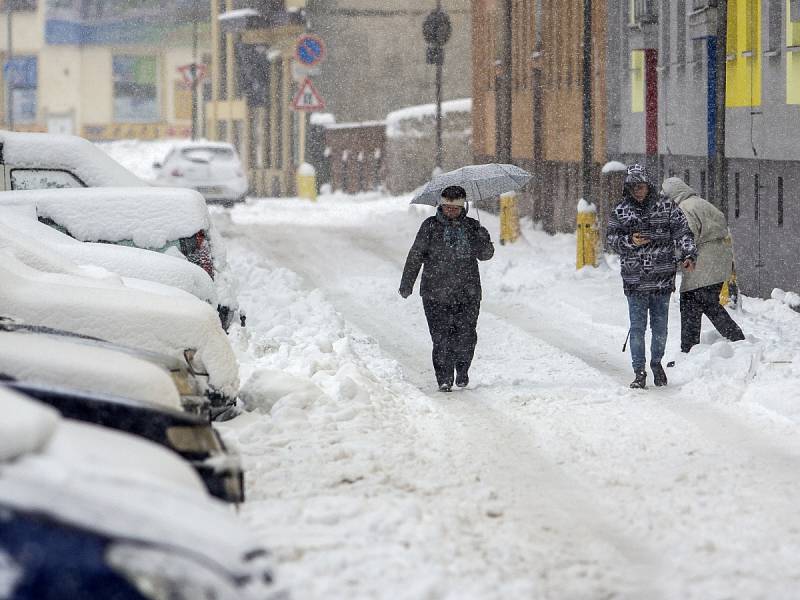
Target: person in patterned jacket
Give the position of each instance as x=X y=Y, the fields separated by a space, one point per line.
x=649 y=231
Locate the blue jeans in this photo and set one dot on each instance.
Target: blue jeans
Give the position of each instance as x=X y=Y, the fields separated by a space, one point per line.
x=657 y=304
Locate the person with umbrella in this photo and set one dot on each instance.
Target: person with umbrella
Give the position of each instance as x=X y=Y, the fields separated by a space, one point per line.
x=448 y=247
x=648 y=230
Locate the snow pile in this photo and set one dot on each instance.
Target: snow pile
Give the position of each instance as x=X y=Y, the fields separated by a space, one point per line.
x=417 y=121
x=791 y=299
x=70 y=153
x=44 y=359
x=322 y=119
x=27 y=427
x=586 y=207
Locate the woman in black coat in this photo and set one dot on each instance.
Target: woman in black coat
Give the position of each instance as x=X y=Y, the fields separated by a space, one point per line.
x=448 y=247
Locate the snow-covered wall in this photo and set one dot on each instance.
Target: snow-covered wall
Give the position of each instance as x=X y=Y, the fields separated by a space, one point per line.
x=411 y=142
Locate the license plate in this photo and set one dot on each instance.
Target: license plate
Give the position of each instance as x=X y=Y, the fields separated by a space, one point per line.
x=209 y=190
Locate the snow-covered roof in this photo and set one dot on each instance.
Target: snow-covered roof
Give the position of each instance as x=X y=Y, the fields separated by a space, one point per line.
x=423 y=111
x=77 y=155
x=148 y=216
x=119 y=314
x=355 y=124
x=241 y=13
x=325 y=119
x=54 y=360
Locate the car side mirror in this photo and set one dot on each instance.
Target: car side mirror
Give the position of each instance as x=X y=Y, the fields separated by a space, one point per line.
x=157 y=165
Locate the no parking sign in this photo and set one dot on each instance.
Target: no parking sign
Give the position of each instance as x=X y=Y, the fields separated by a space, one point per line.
x=310 y=50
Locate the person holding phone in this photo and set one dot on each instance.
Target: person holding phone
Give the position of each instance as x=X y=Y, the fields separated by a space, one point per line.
x=649 y=231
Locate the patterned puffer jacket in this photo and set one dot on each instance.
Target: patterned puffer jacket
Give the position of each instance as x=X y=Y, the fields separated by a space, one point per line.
x=650 y=267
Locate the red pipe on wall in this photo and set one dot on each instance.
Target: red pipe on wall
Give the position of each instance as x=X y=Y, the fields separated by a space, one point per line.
x=651 y=101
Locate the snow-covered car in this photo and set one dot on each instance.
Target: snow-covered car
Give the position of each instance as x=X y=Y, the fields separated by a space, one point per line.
x=125 y=261
x=43 y=160
x=150 y=529
x=212 y=168
x=122 y=380
x=190 y=436
x=176 y=324
x=171 y=221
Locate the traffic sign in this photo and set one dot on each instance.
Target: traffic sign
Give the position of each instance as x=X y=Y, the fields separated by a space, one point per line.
x=201 y=71
x=310 y=50
x=307 y=98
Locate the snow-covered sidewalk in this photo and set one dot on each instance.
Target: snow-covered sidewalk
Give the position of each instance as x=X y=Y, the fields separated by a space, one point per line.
x=547 y=477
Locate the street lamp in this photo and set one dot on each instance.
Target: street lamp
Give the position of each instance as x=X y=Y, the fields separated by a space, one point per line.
x=436 y=30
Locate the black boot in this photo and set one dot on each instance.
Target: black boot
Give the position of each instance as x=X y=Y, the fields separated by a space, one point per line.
x=640 y=382
x=462 y=379
x=659 y=377
x=445 y=387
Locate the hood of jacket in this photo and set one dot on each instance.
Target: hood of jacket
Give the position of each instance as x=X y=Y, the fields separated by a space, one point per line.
x=677 y=190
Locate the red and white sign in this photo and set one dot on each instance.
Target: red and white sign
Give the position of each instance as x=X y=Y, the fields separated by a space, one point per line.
x=307 y=98
x=201 y=71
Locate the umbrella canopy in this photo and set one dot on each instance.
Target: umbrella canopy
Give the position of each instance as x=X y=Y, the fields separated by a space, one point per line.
x=481 y=182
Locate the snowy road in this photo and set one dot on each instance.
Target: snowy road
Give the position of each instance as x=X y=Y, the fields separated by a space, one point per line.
x=547 y=478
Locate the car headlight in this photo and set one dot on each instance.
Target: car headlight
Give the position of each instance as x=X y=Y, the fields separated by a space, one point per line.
x=159 y=575
x=196 y=367
x=194 y=438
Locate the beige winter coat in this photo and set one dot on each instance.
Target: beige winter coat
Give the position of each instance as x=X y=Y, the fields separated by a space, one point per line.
x=711 y=234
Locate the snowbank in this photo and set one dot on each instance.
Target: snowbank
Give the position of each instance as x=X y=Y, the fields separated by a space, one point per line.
x=401 y=122
x=613 y=167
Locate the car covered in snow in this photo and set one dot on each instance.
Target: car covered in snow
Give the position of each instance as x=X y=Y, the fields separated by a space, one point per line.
x=171 y=221
x=21 y=222
x=212 y=168
x=87 y=512
x=43 y=160
x=172 y=323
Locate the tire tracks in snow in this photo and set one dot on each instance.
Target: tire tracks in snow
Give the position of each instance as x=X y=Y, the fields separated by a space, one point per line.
x=541 y=504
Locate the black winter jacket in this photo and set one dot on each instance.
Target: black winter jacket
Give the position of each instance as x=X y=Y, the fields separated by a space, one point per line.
x=449 y=251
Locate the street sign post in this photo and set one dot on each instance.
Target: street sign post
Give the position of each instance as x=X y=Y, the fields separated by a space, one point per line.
x=307 y=98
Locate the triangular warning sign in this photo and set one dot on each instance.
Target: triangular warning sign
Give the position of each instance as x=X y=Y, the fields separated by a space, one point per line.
x=307 y=98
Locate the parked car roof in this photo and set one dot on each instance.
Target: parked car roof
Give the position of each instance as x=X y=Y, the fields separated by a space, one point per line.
x=169 y=325
x=149 y=216
x=54 y=360
x=44 y=150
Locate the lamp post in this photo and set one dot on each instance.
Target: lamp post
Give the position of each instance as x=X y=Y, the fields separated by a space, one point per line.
x=437 y=30
x=7 y=70
x=588 y=133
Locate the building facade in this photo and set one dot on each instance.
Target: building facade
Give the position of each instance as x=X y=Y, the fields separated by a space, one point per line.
x=654 y=98
x=376 y=59
x=253 y=86
x=666 y=50
x=103 y=69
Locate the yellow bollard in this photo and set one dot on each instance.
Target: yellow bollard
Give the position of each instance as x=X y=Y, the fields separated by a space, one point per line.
x=509 y=218
x=307 y=182
x=586 y=230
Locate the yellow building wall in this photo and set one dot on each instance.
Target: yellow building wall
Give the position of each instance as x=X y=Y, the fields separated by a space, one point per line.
x=744 y=54
x=60 y=83
x=27 y=35
x=174 y=93
x=97 y=86
x=792 y=60
x=637 y=81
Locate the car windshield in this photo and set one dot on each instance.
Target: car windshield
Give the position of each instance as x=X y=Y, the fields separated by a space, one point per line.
x=207 y=154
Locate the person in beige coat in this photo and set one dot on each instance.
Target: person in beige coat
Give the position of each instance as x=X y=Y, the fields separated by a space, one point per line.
x=701 y=287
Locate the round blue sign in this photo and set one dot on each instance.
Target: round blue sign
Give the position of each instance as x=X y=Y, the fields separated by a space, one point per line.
x=310 y=50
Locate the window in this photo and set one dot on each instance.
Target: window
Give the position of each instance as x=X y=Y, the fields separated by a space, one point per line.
x=135 y=89
x=703 y=184
x=687 y=177
x=643 y=11
x=680 y=42
x=666 y=21
x=756 y=196
x=703 y=4
x=39 y=179
x=793 y=58
x=794 y=10
x=737 y=193
x=780 y=201
x=637 y=81
x=743 y=85
x=22 y=83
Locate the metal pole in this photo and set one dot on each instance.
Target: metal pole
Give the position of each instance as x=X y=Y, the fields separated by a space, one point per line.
x=9 y=58
x=194 y=78
x=588 y=134
x=504 y=100
x=720 y=163
x=439 y=149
